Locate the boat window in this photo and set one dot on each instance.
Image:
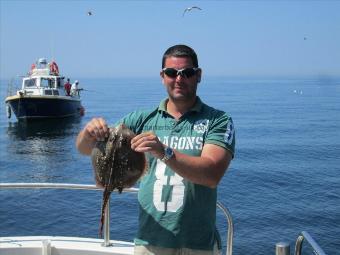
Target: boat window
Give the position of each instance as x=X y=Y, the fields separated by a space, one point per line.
x=55 y=92
x=30 y=83
x=48 y=92
x=59 y=82
x=47 y=83
x=44 y=83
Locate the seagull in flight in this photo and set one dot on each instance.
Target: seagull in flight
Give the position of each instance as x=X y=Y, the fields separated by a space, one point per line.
x=191 y=8
x=89 y=13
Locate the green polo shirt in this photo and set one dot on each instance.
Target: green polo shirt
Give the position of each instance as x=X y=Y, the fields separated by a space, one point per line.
x=174 y=212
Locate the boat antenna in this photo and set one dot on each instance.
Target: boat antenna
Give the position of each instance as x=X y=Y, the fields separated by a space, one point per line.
x=52 y=48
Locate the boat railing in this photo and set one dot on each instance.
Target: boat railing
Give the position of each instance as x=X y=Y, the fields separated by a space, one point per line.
x=70 y=186
x=13 y=86
x=304 y=235
x=283 y=248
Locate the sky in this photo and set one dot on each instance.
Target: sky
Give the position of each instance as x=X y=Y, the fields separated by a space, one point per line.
x=128 y=38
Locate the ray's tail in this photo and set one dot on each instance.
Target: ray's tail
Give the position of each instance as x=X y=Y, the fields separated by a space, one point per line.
x=106 y=197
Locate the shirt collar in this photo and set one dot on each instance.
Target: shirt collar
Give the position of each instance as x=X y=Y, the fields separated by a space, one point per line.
x=197 y=107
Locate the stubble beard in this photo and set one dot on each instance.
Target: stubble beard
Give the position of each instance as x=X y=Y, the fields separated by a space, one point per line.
x=188 y=96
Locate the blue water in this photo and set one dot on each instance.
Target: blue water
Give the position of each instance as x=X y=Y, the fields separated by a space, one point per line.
x=285 y=177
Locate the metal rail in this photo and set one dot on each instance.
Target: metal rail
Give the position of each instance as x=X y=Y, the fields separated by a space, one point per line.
x=230 y=234
x=70 y=186
x=283 y=248
x=106 y=243
x=305 y=235
x=45 y=185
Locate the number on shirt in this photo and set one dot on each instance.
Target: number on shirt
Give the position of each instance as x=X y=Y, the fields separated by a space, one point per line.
x=177 y=185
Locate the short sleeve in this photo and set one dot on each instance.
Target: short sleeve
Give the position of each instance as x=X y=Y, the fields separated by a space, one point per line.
x=221 y=132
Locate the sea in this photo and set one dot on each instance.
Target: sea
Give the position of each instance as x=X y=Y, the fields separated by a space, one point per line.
x=284 y=179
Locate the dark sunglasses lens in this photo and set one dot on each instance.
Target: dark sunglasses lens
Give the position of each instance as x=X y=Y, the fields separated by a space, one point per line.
x=171 y=72
x=188 y=72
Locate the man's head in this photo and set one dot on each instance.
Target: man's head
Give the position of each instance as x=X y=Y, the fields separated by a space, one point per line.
x=180 y=50
x=180 y=74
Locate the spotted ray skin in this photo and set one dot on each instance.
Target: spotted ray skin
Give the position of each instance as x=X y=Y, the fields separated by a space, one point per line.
x=116 y=165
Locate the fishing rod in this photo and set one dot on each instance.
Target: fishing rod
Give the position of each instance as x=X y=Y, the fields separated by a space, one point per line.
x=88 y=90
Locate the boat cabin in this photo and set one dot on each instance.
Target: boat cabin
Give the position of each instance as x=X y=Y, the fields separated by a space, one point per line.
x=43 y=79
x=42 y=85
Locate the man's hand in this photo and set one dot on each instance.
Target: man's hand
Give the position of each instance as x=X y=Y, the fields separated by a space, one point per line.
x=148 y=142
x=95 y=130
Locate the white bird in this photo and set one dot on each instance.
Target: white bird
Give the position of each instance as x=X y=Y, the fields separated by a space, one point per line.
x=190 y=8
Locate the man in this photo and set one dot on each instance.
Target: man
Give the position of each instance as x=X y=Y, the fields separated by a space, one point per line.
x=67 y=87
x=190 y=146
x=74 y=88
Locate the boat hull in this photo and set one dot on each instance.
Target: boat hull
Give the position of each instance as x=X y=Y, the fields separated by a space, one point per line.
x=41 y=107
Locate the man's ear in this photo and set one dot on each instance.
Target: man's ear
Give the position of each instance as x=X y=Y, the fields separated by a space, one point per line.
x=199 y=75
x=161 y=74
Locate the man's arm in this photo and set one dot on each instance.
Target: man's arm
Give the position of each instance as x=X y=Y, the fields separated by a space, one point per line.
x=207 y=169
x=95 y=130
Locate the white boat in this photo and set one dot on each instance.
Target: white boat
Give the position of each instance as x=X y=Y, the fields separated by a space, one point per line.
x=42 y=95
x=60 y=245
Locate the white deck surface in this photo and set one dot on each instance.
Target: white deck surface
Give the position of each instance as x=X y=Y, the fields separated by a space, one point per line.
x=57 y=245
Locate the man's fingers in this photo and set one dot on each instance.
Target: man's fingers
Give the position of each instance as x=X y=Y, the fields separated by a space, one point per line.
x=143 y=149
x=144 y=141
x=97 y=128
x=145 y=134
x=147 y=142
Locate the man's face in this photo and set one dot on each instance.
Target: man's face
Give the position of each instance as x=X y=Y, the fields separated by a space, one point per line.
x=180 y=88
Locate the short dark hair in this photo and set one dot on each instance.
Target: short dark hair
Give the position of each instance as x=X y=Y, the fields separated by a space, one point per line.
x=180 y=50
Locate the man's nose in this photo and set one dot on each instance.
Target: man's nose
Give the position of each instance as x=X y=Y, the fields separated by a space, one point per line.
x=179 y=77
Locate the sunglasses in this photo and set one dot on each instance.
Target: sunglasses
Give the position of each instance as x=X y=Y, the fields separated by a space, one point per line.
x=185 y=72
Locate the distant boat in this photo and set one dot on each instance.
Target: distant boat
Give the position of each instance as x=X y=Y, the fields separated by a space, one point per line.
x=42 y=95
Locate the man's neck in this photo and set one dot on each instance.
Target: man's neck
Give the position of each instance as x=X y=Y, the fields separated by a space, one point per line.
x=179 y=108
